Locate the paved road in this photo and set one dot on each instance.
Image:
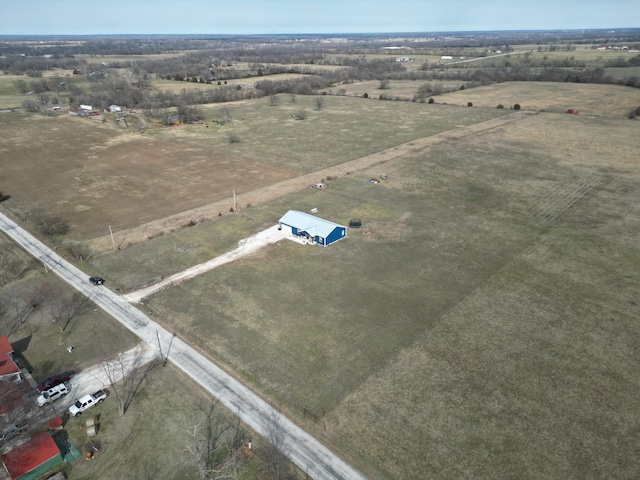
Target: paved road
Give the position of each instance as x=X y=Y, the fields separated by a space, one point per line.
x=303 y=449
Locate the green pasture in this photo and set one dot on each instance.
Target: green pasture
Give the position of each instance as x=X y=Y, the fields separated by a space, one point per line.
x=311 y=324
x=344 y=128
x=588 y=99
x=537 y=359
x=472 y=300
x=401 y=89
x=9 y=96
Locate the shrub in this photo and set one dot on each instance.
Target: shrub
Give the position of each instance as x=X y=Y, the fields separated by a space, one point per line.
x=516 y=106
x=300 y=114
x=431 y=100
x=366 y=95
x=43 y=221
x=233 y=138
x=500 y=107
x=469 y=104
x=78 y=250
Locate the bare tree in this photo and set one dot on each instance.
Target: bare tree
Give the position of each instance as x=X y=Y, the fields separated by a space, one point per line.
x=125 y=374
x=19 y=304
x=44 y=99
x=12 y=267
x=189 y=113
x=64 y=308
x=216 y=445
x=78 y=250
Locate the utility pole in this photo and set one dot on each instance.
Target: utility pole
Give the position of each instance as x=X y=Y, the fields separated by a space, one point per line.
x=234 y=201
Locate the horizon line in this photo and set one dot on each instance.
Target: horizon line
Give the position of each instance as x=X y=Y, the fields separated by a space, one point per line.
x=576 y=29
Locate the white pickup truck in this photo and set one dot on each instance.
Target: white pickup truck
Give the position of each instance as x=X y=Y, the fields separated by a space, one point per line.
x=87 y=402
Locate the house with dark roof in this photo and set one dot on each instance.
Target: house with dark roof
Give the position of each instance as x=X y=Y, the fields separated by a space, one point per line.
x=32 y=459
x=9 y=371
x=312 y=229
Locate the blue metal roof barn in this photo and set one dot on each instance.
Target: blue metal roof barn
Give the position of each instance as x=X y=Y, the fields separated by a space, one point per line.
x=313 y=229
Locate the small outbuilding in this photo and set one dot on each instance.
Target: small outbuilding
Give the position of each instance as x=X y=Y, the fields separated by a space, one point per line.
x=311 y=228
x=32 y=459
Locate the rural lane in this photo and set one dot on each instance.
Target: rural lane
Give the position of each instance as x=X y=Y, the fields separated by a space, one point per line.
x=302 y=448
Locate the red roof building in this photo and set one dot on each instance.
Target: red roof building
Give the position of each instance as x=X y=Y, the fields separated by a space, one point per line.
x=8 y=368
x=33 y=458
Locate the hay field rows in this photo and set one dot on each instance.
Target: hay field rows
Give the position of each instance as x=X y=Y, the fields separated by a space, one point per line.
x=481 y=324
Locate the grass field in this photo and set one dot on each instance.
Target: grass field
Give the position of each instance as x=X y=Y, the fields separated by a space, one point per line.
x=177 y=87
x=588 y=99
x=465 y=318
x=102 y=176
x=481 y=324
x=403 y=89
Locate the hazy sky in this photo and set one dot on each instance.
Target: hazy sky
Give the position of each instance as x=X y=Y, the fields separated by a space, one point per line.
x=76 y=17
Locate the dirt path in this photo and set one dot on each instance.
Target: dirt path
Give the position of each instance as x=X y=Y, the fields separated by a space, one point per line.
x=286 y=187
x=245 y=247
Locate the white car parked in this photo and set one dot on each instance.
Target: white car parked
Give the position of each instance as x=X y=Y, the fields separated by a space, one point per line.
x=52 y=394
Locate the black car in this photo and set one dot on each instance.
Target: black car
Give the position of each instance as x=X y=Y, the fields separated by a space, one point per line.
x=96 y=280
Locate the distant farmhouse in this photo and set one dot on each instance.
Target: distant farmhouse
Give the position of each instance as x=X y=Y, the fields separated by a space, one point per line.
x=311 y=229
